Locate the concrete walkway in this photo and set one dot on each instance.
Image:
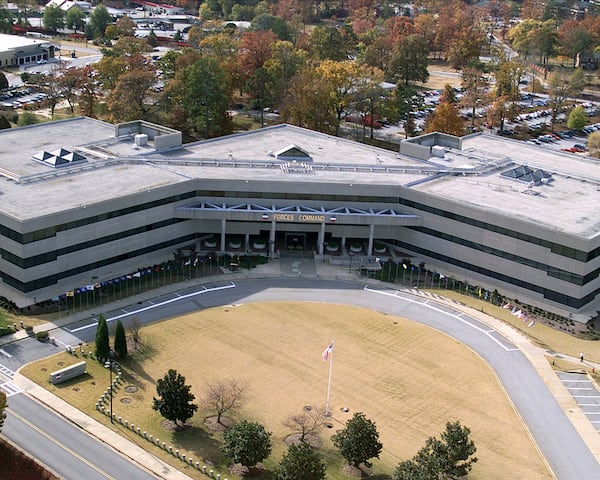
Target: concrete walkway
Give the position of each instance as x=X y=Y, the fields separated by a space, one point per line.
x=536 y=355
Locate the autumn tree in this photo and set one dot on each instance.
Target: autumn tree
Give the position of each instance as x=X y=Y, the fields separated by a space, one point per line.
x=475 y=87
x=563 y=84
x=125 y=27
x=224 y=396
x=575 y=39
x=358 y=441
x=308 y=102
x=404 y=101
x=285 y=62
x=577 y=118
x=126 y=101
x=593 y=144
x=175 y=398
x=255 y=50
x=301 y=462
x=465 y=47
x=445 y=119
x=409 y=60
x=331 y=43
x=87 y=91
x=306 y=424
x=268 y=22
x=69 y=84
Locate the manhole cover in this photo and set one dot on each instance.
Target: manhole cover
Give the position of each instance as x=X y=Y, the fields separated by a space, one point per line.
x=131 y=389
x=126 y=400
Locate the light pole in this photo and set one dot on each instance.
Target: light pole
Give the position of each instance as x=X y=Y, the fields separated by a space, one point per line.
x=109 y=364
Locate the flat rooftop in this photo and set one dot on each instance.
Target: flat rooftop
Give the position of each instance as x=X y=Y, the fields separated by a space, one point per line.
x=115 y=167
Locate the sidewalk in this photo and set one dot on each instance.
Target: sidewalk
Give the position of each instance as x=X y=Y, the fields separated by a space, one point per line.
x=536 y=356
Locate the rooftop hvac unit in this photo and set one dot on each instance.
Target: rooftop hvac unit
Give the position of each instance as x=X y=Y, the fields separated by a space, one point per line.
x=141 y=139
x=438 y=151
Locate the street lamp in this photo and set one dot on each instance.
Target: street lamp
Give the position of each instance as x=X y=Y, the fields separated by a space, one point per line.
x=109 y=364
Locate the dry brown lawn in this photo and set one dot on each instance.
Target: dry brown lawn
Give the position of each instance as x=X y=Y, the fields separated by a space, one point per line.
x=409 y=379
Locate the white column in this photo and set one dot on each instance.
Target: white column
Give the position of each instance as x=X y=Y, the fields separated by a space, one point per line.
x=247 y=243
x=272 y=238
x=343 y=244
x=223 y=227
x=370 y=249
x=321 y=238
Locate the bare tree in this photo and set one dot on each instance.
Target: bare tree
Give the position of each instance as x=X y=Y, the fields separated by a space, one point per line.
x=134 y=326
x=224 y=396
x=309 y=422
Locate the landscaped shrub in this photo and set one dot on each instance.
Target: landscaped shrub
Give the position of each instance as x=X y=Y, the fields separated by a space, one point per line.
x=42 y=336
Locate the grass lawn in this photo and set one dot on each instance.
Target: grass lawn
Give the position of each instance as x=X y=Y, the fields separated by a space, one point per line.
x=409 y=379
x=540 y=334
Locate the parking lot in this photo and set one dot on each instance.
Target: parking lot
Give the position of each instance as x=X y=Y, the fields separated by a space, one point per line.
x=21 y=98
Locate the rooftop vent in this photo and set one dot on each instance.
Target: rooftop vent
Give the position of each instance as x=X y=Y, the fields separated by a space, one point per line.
x=58 y=158
x=525 y=174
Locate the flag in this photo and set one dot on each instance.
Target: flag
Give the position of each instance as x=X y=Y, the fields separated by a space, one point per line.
x=521 y=314
x=531 y=324
x=137 y=274
x=508 y=305
x=89 y=288
x=442 y=276
x=70 y=293
x=517 y=313
x=327 y=351
x=514 y=310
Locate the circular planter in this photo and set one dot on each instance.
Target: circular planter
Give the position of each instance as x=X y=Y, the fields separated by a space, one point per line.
x=355 y=248
x=235 y=243
x=332 y=247
x=259 y=244
x=210 y=243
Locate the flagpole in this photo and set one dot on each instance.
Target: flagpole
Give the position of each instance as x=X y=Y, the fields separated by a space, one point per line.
x=327 y=412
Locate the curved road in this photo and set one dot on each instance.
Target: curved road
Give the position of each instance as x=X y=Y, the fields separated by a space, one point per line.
x=567 y=454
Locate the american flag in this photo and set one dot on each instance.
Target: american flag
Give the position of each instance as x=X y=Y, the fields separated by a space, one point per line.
x=327 y=351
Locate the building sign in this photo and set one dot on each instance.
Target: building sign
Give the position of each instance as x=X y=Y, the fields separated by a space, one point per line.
x=299 y=217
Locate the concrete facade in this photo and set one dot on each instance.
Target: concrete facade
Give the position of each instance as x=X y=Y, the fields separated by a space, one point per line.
x=132 y=203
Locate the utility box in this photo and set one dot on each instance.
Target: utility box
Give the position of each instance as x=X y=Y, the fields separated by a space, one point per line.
x=67 y=373
x=438 y=151
x=141 y=139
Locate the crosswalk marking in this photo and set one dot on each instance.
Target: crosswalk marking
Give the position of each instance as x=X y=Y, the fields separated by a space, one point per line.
x=7 y=371
x=10 y=389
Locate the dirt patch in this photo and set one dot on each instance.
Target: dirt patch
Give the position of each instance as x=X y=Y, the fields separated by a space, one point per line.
x=214 y=426
x=294 y=439
x=354 y=472
x=131 y=389
x=176 y=427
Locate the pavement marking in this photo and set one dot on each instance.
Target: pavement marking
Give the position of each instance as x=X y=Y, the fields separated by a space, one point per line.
x=61 y=445
x=4 y=352
x=580 y=388
x=7 y=371
x=565 y=380
x=166 y=302
x=10 y=389
x=457 y=316
x=586 y=396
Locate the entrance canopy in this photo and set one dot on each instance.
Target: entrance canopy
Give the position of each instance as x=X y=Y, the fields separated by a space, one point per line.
x=298 y=214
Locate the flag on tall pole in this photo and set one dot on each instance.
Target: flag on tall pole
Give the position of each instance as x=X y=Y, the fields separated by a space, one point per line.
x=327 y=351
x=328 y=355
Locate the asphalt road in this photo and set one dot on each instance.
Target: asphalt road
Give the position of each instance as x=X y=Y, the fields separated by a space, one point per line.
x=559 y=442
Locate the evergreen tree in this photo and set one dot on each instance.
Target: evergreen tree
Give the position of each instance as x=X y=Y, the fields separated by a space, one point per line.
x=301 y=462
x=175 y=398
x=120 y=340
x=247 y=443
x=359 y=441
x=102 y=342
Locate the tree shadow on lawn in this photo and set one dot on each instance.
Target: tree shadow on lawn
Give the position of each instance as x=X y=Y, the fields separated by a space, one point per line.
x=201 y=444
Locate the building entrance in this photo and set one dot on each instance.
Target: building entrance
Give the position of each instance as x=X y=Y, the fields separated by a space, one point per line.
x=295 y=241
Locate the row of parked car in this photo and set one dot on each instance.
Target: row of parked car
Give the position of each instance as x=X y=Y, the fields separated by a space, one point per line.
x=21 y=98
x=591 y=128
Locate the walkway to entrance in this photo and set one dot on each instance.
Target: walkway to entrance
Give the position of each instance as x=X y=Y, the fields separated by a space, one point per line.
x=301 y=264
